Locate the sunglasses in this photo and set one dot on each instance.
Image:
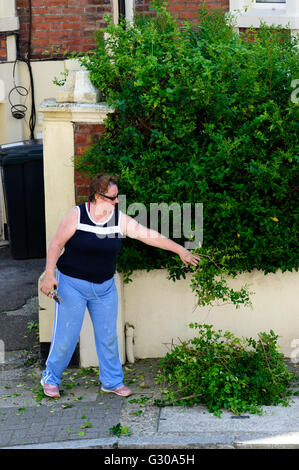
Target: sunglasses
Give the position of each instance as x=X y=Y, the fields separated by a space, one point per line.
x=112 y=198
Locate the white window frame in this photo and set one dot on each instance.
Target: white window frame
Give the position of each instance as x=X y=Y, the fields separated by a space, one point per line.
x=129 y=11
x=8 y=17
x=269 y=1
x=249 y=13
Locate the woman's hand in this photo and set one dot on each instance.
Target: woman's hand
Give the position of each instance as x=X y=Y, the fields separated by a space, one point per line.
x=188 y=258
x=48 y=283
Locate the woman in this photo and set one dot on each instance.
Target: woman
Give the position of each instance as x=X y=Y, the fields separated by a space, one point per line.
x=92 y=235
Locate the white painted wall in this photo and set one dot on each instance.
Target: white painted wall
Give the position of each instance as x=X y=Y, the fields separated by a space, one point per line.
x=161 y=310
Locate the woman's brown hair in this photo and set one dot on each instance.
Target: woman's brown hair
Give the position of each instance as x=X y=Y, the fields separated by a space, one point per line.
x=100 y=184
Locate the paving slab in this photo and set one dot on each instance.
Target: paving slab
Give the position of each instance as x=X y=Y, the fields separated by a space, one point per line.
x=27 y=417
x=275 y=419
x=276 y=427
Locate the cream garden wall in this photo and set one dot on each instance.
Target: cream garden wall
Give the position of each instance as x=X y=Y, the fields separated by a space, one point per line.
x=161 y=310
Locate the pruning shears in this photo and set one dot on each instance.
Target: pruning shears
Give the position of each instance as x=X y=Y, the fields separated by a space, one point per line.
x=54 y=294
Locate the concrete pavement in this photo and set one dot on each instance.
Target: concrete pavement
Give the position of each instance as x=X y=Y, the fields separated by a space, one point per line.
x=18 y=279
x=18 y=299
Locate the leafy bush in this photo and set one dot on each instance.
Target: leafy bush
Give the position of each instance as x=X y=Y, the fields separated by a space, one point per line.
x=225 y=372
x=203 y=115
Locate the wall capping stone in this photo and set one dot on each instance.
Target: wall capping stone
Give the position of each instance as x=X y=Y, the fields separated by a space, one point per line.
x=93 y=113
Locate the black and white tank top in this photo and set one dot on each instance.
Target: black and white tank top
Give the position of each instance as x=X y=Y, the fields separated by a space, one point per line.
x=91 y=253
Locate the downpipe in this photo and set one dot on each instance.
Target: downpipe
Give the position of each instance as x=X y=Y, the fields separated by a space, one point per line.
x=129 y=333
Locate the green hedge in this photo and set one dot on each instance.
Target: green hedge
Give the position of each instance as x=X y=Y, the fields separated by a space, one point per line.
x=203 y=115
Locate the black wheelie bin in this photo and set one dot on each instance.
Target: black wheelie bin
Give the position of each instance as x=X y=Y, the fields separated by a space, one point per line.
x=23 y=185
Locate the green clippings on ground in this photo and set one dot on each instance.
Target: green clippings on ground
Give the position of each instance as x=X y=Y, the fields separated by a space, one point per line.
x=87 y=424
x=118 y=430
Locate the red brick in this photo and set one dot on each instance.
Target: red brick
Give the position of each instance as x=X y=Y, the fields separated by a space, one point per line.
x=3 y=50
x=81 y=179
x=42 y=26
x=82 y=191
x=177 y=7
x=187 y=15
x=87 y=128
x=192 y=6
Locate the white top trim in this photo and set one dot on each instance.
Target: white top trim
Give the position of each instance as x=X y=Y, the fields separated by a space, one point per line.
x=79 y=215
x=119 y=225
x=99 y=230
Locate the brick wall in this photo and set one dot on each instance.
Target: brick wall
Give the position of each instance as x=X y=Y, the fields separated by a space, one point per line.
x=187 y=10
x=65 y=24
x=3 y=52
x=183 y=9
x=141 y=6
x=69 y=25
x=84 y=134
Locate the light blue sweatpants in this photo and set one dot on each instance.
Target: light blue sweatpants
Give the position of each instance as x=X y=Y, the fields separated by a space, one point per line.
x=102 y=303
